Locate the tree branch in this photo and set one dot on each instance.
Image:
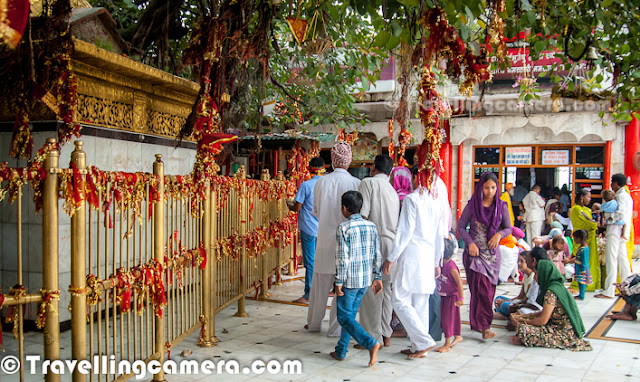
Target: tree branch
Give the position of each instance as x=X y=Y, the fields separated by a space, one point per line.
x=285 y=91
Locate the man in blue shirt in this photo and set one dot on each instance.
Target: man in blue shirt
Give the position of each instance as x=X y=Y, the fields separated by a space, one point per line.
x=307 y=223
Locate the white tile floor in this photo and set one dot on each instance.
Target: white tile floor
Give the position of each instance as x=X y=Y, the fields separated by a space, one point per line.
x=275 y=331
x=624 y=329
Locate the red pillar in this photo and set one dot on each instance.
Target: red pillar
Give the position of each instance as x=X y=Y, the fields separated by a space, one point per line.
x=607 y=165
x=459 y=193
x=445 y=154
x=632 y=169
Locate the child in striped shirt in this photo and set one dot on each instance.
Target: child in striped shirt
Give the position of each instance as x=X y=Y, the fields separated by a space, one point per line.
x=358 y=267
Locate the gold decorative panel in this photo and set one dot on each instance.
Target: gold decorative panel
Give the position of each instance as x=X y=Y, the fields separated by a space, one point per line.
x=119 y=93
x=163 y=123
x=97 y=111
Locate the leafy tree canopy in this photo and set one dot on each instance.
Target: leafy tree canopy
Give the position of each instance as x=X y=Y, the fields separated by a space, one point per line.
x=363 y=33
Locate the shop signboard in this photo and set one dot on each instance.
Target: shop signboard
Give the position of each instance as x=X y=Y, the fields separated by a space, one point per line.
x=521 y=62
x=517 y=156
x=555 y=157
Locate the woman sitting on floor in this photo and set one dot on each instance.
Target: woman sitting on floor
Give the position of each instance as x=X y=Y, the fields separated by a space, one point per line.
x=559 y=324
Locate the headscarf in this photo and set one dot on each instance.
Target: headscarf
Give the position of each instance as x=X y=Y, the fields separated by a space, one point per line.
x=517 y=233
x=510 y=242
x=557 y=225
x=554 y=232
x=402 y=181
x=550 y=278
x=491 y=219
x=508 y=186
x=341 y=155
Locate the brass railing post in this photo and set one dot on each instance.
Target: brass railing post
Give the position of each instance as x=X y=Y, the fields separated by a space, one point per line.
x=50 y=258
x=205 y=339
x=264 y=272
x=158 y=252
x=78 y=274
x=243 y=256
x=212 y=263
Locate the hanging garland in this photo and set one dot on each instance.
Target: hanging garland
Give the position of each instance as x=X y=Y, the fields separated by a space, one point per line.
x=56 y=86
x=17 y=292
x=391 y=148
x=21 y=140
x=432 y=109
x=277 y=234
x=404 y=138
x=496 y=28
x=298 y=164
x=205 y=168
x=350 y=138
x=49 y=297
x=314 y=152
x=65 y=91
x=74 y=291
x=444 y=42
x=33 y=172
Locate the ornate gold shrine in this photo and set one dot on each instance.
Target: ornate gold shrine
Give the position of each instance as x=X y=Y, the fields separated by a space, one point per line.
x=119 y=93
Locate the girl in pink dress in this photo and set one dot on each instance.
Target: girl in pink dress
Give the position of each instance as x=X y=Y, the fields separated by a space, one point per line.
x=451 y=297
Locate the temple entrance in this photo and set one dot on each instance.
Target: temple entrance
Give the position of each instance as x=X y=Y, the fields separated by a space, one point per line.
x=570 y=165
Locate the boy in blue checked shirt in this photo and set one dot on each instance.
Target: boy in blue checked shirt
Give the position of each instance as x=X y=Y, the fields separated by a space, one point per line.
x=358 y=261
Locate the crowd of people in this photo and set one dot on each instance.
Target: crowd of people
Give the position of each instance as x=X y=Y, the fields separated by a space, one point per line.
x=384 y=246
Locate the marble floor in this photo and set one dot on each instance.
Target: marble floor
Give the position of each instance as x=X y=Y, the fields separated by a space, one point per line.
x=624 y=329
x=275 y=331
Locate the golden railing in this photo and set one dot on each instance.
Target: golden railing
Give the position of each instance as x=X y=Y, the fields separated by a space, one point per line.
x=153 y=259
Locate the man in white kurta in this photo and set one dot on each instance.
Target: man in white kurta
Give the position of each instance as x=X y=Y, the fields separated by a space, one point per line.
x=534 y=213
x=419 y=237
x=617 y=258
x=381 y=206
x=442 y=197
x=327 y=195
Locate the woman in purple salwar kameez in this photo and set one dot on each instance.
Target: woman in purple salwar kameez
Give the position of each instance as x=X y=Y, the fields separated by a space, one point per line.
x=489 y=222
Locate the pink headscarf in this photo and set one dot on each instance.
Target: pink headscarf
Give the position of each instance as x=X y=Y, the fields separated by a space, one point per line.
x=517 y=233
x=341 y=155
x=402 y=181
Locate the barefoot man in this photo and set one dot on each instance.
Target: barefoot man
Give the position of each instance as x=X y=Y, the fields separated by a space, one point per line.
x=380 y=206
x=630 y=292
x=419 y=237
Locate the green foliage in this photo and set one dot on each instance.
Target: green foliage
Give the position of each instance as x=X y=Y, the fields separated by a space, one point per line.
x=329 y=85
x=326 y=85
x=364 y=32
x=611 y=26
x=124 y=12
